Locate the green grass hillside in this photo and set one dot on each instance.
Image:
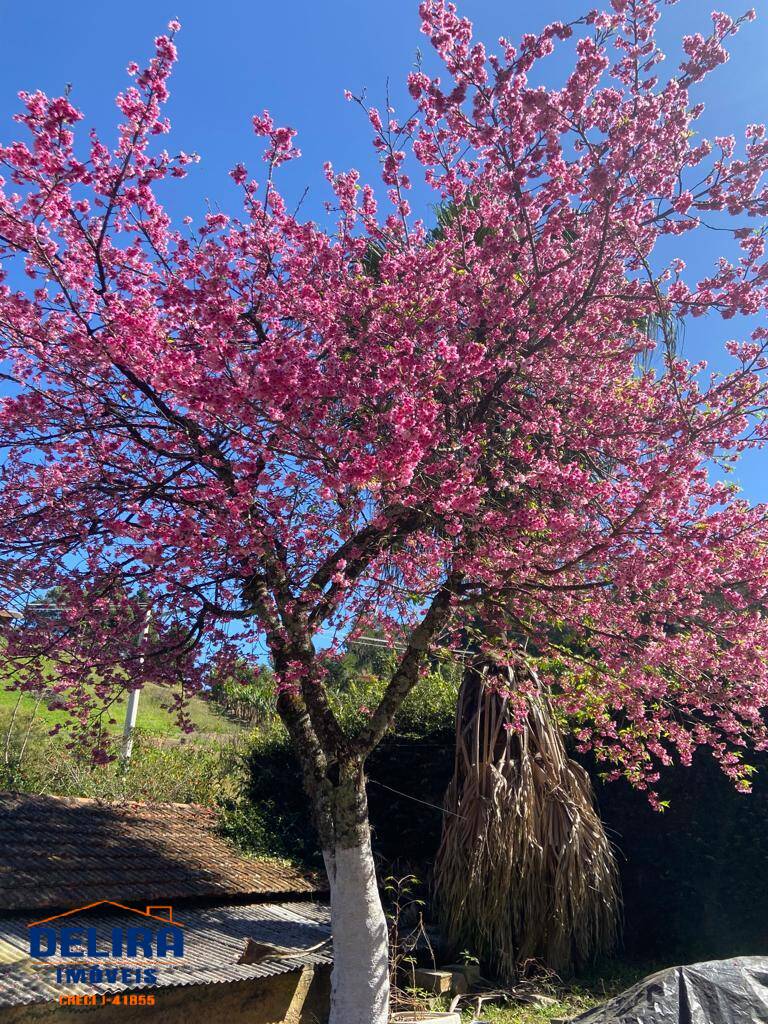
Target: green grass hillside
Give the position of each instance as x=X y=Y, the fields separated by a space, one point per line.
x=153 y=719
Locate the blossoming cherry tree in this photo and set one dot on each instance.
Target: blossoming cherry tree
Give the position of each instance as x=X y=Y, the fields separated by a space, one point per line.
x=270 y=430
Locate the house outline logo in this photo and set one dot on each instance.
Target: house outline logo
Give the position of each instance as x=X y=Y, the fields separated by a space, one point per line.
x=121 y=906
x=86 y=953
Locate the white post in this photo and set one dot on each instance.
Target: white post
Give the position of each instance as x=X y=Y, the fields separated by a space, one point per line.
x=132 y=710
x=131 y=714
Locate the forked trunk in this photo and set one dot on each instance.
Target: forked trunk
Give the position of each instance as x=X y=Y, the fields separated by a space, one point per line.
x=334 y=778
x=360 y=979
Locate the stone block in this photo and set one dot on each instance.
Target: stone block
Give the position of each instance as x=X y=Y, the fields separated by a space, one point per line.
x=436 y=982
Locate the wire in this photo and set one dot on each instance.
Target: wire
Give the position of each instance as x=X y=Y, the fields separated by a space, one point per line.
x=435 y=807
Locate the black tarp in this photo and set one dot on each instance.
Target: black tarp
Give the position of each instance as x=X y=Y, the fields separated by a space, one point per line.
x=716 y=992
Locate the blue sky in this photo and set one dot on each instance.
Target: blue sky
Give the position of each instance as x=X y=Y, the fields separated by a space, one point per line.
x=296 y=59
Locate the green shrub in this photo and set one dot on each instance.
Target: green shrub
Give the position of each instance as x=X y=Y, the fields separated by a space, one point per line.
x=247 y=694
x=430 y=706
x=270 y=816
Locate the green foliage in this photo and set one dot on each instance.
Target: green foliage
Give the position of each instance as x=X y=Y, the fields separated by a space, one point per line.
x=166 y=765
x=247 y=694
x=431 y=707
x=253 y=778
x=607 y=980
x=372 y=257
x=566 y=1007
x=357 y=682
x=447 y=215
x=465 y=957
x=270 y=816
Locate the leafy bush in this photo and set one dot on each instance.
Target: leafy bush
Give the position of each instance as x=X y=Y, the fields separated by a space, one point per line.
x=415 y=760
x=270 y=816
x=247 y=694
x=430 y=706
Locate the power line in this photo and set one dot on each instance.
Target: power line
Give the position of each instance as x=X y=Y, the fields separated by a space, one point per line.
x=435 y=807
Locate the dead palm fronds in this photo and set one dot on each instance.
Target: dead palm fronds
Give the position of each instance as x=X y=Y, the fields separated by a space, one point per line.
x=525 y=870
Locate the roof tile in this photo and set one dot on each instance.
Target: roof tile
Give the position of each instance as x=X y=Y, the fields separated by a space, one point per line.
x=67 y=851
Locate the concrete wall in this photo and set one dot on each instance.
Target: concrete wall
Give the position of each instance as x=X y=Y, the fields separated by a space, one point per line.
x=293 y=998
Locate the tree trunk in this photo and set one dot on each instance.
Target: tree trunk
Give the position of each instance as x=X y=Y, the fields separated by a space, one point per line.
x=334 y=780
x=360 y=979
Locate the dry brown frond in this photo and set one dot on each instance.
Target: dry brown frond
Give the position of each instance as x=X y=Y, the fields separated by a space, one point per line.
x=525 y=869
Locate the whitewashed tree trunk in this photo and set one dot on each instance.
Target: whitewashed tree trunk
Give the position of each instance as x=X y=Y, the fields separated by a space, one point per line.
x=360 y=978
x=333 y=769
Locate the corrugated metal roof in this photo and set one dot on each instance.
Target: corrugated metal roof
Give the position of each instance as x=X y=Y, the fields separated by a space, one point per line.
x=64 y=852
x=214 y=939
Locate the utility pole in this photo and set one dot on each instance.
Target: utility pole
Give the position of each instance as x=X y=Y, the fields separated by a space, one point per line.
x=132 y=709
